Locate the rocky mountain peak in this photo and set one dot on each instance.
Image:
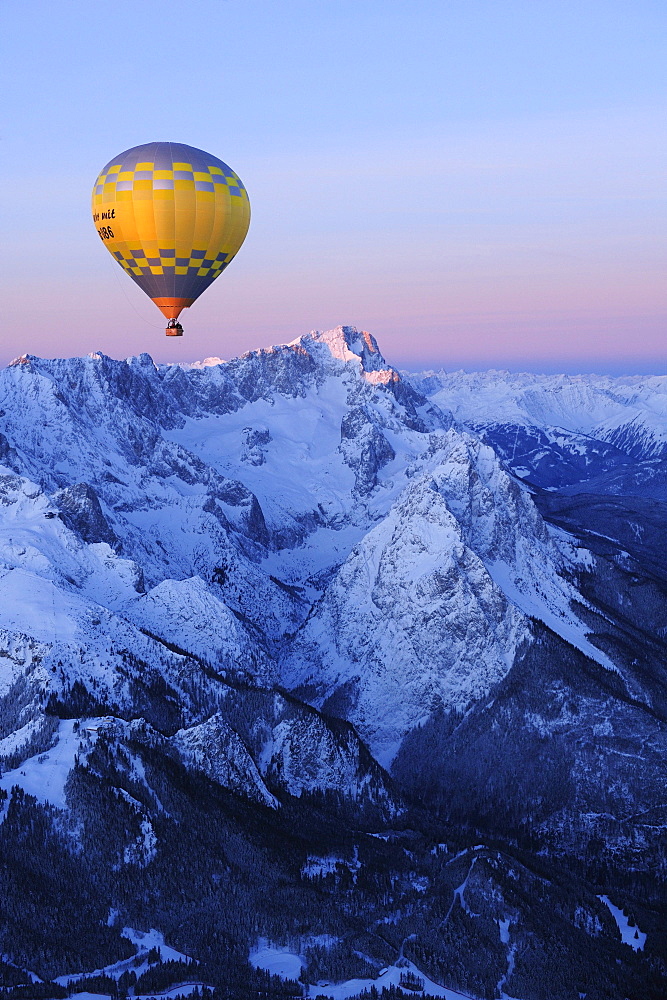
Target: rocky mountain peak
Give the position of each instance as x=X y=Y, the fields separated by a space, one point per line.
x=346 y=343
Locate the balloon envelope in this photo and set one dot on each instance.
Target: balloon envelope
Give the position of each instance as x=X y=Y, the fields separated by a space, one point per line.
x=173 y=217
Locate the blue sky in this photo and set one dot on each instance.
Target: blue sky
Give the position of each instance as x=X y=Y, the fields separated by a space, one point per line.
x=478 y=183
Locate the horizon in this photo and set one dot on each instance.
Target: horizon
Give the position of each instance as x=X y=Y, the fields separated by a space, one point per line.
x=619 y=369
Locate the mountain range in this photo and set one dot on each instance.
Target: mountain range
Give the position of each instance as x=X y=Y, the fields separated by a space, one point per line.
x=304 y=656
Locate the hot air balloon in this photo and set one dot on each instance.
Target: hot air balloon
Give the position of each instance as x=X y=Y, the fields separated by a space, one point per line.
x=173 y=217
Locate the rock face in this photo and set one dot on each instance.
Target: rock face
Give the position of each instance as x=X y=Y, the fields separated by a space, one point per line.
x=215 y=748
x=261 y=585
x=406 y=616
x=81 y=511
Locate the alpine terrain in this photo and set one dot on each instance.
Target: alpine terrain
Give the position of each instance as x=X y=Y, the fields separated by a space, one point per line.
x=317 y=677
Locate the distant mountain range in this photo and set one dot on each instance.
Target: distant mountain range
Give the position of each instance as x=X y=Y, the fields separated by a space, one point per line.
x=302 y=656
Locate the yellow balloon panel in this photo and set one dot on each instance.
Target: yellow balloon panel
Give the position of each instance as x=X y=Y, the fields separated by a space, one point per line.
x=173 y=217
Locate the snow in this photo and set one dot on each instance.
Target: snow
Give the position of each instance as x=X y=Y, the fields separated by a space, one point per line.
x=145 y=940
x=37 y=607
x=550 y=604
x=206 y=363
x=216 y=749
x=185 y=613
x=34 y=978
x=285 y=963
x=629 y=935
x=459 y=893
x=85 y=995
x=277 y=960
x=466 y=850
x=391 y=977
x=423 y=580
x=507 y=975
x=144 y=847
x=184 y=990
x=45 y=774
x=320 y=866
x=302 y=466
x=19 y=738
x=583 y=404
x=408 y=610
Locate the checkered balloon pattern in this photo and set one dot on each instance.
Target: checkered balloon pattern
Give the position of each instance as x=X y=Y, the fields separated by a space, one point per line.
x=173 y=217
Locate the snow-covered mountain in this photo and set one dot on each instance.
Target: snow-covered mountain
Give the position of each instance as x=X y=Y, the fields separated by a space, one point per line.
x=629 y=412
x=563 y=430
x=289 y=574
x=300 y=516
